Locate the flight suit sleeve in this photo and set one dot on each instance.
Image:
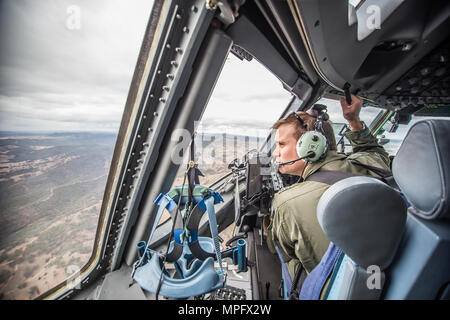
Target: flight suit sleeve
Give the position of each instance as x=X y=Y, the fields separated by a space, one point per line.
x=366 y=149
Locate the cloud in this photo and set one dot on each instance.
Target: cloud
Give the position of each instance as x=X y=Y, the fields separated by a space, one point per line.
x=367 y=114
x=55 y=76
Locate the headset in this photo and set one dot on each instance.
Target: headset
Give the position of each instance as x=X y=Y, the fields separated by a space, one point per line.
x=312 y=145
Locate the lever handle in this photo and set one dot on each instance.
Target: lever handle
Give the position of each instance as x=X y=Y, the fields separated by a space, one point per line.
x=348 y=97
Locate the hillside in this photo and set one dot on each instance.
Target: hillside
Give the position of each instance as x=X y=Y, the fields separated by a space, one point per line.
x=51 y=188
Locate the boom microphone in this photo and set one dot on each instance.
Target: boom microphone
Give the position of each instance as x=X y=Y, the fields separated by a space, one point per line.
x=310 y=154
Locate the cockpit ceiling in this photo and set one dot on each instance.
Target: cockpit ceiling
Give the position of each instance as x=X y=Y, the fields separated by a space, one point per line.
x=425 y=84
x=403 y=64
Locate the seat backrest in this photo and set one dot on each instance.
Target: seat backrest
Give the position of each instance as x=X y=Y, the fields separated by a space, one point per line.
x=366 y=219
x=421 y=168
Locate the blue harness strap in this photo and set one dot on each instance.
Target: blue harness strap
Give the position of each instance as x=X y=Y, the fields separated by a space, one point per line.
x=315 y=281
x=209 y=208
x=204 y=278
x=201 y=277
x=192 y=225
x=163 y=202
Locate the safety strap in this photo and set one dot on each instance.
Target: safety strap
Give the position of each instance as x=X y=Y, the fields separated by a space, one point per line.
x=386 y=175
x=330 y=177
x=291 y=287
x=205 y=199
x=381 y=172
x=201 y=277
x=209 y=202
x=295 y=289
x=163 y=201
x=237 y=203
x=287 y=280
x=193 y=173
x=317 y=278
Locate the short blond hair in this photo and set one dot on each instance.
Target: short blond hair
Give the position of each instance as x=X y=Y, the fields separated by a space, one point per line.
x=309 y=122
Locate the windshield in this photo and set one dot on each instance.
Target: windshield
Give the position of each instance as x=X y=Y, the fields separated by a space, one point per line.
x=246 y=101
x=65 y=71
x=339 y=124
x=392 y=140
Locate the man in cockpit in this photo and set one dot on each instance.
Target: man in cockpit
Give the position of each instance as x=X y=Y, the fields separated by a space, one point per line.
x=294 y=227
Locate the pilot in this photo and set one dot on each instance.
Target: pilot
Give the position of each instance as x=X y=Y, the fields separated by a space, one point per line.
x=294 y=227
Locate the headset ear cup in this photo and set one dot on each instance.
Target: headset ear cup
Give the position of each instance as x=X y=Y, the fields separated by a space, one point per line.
x=312 y=141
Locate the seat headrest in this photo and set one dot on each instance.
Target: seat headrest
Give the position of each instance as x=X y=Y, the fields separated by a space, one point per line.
x=365 y=218
x=421 y=168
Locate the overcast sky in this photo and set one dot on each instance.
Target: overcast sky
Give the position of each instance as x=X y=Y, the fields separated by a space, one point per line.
x=67 y=65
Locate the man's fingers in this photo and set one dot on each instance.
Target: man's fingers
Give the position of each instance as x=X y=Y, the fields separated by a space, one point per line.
x=343 y=102
x=355 y=100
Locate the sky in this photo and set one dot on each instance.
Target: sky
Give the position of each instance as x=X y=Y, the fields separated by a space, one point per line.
x=246 y=100
x=67 y=65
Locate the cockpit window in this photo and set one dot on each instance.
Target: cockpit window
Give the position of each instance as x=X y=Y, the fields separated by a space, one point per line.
x=339 y=124
x=390 y=136
x=391 y=141
x=65 y=71
x=246 y=101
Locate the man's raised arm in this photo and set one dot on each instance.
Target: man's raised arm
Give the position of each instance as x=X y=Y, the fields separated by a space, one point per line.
x=366 y=148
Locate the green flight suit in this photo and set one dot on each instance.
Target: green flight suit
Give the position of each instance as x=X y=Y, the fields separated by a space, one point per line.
x=294 y=226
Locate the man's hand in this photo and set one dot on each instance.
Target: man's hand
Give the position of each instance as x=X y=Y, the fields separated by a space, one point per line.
x=351 y=112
